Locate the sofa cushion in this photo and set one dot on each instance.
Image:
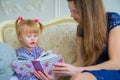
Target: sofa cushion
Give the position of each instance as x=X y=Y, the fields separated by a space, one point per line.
x=60 y=38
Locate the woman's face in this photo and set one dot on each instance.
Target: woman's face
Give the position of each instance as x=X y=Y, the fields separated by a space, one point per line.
x=74 y=12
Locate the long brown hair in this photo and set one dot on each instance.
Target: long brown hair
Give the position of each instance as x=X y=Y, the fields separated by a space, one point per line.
x=94 y=24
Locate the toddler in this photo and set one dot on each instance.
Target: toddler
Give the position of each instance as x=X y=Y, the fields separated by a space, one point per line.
x=28 y=32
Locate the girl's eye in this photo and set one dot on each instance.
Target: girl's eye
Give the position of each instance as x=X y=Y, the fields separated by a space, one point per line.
x=35 y=35
x=28 y=36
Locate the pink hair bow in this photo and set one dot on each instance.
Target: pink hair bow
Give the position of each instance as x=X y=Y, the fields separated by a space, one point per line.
x=20 y=18
x=36 y=20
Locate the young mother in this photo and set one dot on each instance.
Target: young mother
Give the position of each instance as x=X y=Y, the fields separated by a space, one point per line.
x=98 y=43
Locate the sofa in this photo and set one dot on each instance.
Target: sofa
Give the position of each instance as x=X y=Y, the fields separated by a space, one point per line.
x=59 y=35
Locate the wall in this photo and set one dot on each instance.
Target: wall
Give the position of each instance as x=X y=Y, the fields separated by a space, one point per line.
x=112 y=5
x=42 y=9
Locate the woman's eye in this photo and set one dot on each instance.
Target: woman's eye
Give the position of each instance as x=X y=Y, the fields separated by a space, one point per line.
x=76 y=12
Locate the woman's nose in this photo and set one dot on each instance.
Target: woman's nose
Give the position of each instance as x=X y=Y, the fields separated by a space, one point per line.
x=72 y=15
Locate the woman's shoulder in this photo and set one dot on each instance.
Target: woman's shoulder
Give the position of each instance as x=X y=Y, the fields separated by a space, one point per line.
x=113 y=15
x=113 y=20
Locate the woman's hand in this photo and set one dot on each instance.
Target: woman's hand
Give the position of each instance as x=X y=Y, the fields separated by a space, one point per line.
x=65 y=69
x=43 y=76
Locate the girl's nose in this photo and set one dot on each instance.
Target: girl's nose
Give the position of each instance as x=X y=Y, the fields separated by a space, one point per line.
x=32 y=38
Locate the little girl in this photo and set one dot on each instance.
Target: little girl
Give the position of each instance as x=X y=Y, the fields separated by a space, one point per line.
x=28 y=31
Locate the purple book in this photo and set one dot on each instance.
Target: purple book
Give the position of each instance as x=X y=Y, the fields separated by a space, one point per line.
x=37 y=66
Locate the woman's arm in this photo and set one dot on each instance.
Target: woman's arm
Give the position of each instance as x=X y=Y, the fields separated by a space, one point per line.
x=80 y=51
x=112 y=64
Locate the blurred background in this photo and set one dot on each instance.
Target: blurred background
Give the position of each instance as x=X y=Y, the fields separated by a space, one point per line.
x=43 y=9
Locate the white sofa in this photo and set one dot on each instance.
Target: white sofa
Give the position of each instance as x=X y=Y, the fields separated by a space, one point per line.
x=59 y=36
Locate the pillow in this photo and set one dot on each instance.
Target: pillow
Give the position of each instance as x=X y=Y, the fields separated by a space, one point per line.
x=7 y=56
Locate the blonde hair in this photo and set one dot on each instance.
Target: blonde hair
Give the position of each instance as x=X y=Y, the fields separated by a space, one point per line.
x=28 y=26
x=94 y=25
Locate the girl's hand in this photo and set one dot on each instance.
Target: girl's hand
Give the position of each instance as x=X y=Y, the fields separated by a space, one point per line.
x=43 y=76
x=65 y=69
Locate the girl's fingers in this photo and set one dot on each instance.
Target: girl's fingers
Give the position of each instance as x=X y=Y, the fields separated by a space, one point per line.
x=37 y=75
x=50 y=77
x=44 y=77
x=46 y=74
x=40 y=75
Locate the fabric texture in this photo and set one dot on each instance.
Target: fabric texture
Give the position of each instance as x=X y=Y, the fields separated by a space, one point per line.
x=24 y=54
x=105 y=74
x=7 y=56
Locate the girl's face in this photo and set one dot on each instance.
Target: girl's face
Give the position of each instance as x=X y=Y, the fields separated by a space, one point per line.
x=74 y=12
x=29 y=40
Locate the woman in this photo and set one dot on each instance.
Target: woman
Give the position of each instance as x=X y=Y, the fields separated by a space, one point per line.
x=98 y=43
